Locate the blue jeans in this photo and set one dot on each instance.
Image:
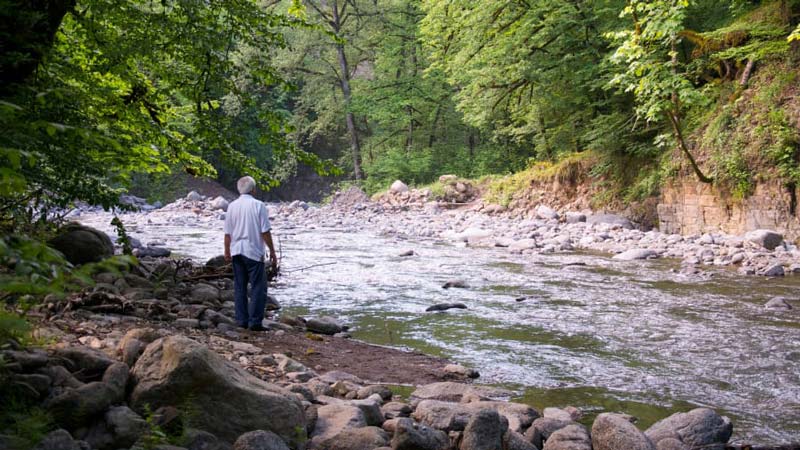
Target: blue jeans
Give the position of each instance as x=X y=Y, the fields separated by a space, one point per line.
x=246 y=270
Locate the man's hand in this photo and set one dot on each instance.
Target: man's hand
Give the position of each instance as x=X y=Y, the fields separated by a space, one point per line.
x=273 y=260
x=228 y=248
x=228 y=256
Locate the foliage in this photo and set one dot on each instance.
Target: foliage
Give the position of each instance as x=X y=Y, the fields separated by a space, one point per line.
x=122 y=236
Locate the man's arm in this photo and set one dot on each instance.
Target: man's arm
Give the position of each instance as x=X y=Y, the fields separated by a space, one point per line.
x=273 y=257
x=227 y=247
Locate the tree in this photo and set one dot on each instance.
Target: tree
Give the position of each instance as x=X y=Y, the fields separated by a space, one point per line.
x=652 y=69
x=326 y=56
x=106 y=89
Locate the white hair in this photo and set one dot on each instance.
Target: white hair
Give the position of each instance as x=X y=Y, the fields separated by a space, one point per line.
x=246 y=185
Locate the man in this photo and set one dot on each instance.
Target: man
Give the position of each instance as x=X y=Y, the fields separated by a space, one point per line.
x=247 y=229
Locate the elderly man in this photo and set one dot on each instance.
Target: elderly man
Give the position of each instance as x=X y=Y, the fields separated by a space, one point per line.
x=247 y=229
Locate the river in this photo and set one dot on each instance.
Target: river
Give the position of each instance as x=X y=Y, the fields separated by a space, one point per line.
x=561 y=329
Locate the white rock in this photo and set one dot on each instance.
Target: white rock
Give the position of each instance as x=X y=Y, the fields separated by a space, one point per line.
x=636 y=253
x=398 y=187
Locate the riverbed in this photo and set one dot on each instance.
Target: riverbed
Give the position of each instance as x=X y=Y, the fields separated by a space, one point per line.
x=565 y=328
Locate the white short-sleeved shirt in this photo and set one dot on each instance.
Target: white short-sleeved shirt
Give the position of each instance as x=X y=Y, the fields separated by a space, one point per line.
x=245 y=220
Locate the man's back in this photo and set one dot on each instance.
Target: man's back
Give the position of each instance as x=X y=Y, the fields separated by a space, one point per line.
x=245 y=221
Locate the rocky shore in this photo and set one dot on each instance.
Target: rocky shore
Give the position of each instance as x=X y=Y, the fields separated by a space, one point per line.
x=152 y=359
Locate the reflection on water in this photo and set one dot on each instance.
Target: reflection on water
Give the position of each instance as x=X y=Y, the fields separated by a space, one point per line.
x=605 y=336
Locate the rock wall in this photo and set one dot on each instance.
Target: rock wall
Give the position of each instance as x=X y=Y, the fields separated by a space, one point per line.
x=690 y=207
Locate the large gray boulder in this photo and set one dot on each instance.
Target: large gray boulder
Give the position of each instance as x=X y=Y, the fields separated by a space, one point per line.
x=398 y=187
x=766 y=238
x=485 y=431
x=636 y=253
x=225 y=400
x=332 y=421
x=409 y=435
x=571 y=437
x=449 y=391
x=260 y=440
x=699 y=428
x=542 y=428
x=448 y=416
x=324 y=325
x=219 y=203
x=59 y=440
x=74 y=408
x=515 y=441
x=614 y=431
x=611 y=219
x=81 y=244
x=366 y=438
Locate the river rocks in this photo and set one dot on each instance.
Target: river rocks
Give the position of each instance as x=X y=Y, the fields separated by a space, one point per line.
x=409 y=435
x=445 y=307
x=394 y=410
x=778 y=303
x=541 y=429
x=614 y=431
x=333 y=420
x=765 y=238
x=454 y=392
x=260 y=440
x=699 y=428
x=455 y=284
x=398 y=187
x=484 y=431
x=193 y=196
x=81 y=244
x=219 y=203
x=371 y=410
x=571 y=437
x=228 y=400
x=60 y=440
x=324 y=325
x=575 y=217
x=203 y=293
x=610 y=219
x=775 y=270
x=461 y=371
x=448 y=416
x=633 y=254
x=546 y=212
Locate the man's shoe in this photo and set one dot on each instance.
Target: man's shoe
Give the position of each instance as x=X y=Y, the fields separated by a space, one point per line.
x=257 y=328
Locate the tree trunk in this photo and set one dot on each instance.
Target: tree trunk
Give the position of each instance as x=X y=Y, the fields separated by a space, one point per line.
x=30 y=28
x=355 y=146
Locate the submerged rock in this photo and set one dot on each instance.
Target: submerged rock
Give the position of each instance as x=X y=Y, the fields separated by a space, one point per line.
x=445 y=307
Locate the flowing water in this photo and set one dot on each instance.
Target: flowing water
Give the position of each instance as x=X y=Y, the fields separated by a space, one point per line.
x=575 y=329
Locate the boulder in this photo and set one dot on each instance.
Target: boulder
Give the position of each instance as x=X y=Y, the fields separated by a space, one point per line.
x=74 y=408
x=203 y=293
x=120 y=428
x=371 y=409
x=522 y=245
x=219 y=203
x=449 y=391
x=614 y=431
x=59 y=440
x=217 y=261
x=778 y=303
x=332 y=421
x=610 y=219
x=393 y=410
x=461 y=371
x=575 y=217
x=324 y=325
x=445 y=307
x=384 y=392
x=367 y=438
x=455 y=284
x=260 y=440
x=546 y=212
x=193 y=196
x=398 y=187
x=226 y=400
x=202 y=440
x=775 y=270
x=636 y=253
x=766 y=238
x=571 y=437
x=699 y=428
x=485 y=431
x=448 y=416
x=515 y=441
x=409 y=435
x=81 y=244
